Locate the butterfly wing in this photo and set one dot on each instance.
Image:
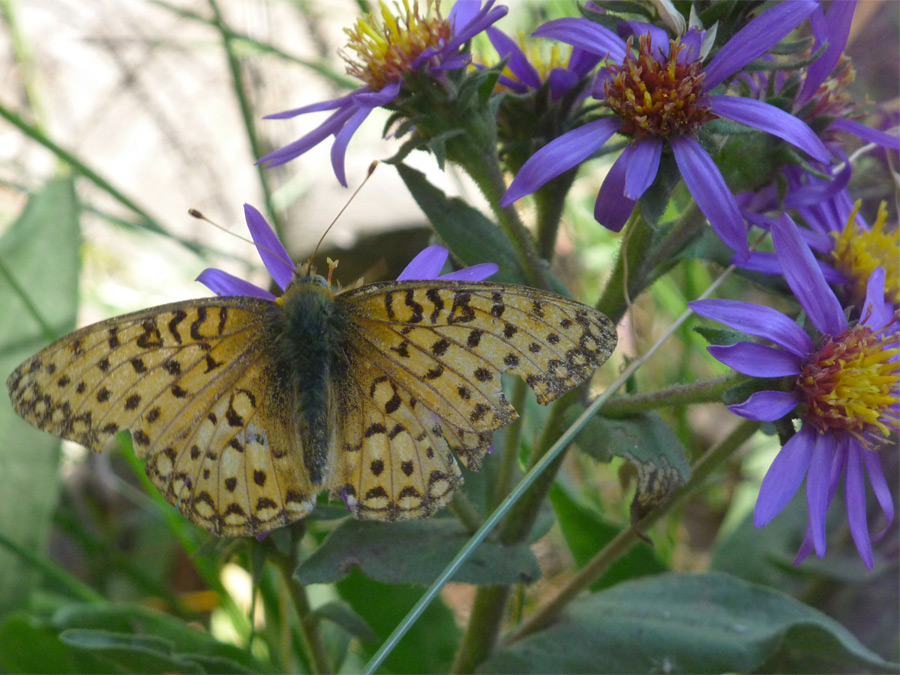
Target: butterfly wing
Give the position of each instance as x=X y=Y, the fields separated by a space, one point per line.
x=426 y=357
x=193 y=383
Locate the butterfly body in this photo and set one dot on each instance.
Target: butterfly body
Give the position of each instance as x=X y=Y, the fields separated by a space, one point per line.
x=246 y=408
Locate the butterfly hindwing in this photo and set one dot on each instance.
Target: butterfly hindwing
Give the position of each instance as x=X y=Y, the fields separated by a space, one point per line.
x=190 y=381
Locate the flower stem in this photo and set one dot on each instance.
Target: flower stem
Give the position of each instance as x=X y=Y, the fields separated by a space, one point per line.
x=489 y=606
x=479 y=159
x=550 y=200
x=679 y=395
x=620 y=544
x=512 y=437
x=308 y=624
x=626 y=281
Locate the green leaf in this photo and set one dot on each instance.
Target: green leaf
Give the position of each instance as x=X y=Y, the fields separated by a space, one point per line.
x=683 y=623
x=29 y=647
x=469 y=234
x=586 y=532
x=414 y=552
x=340 y=614
x=132 y=653
x=431 y=643
x=651 y=447
x=107 y=624
x=39 y=266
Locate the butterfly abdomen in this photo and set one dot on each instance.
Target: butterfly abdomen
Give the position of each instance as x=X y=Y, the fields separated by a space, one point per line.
x=308 y=354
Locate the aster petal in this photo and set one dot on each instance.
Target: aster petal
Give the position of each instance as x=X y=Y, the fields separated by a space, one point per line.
x=876 y=312
x=331 y=104
x=223 y=283
x=755 y=39
x=770 y=119
x=818 y=480
x=766 y=406
x=756 y=320
x=463 y=32
x=855 y=499
x=342 y=139
x=806 y=279
x=659 y=38
x=756 y=360
x=890 y=141
x=768 y=263
x=561 y=82
x=582 y=62
x=463 y=12
x=330 y=126
x=819 y=193
x=271 y=250
x=872 y=462
x=559 y=156
x=585 y=34
x=478 y=272
x=426 y=265
x=784 y=476
x=711 y=193
x=517 y=61
x=832 y=29
x=612 y=208
x=643 y=166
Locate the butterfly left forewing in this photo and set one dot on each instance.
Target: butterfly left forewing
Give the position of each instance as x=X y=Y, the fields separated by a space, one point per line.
x=190 y=381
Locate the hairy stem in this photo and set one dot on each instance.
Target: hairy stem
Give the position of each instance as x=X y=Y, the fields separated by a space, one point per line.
x=679 y=395
x=311 y=636
x=620 y=545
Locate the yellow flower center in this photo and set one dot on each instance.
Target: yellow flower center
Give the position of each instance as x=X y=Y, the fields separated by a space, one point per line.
x=656 y=98
x=384 y=45
x=857 y=252
x=852 y=384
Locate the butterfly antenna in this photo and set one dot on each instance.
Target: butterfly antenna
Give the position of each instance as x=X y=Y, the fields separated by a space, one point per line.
x=199 y=216
x=339 y=214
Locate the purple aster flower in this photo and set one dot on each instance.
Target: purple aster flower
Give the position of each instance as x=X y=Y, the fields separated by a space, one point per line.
x=662 y=96
x=426 y=265
x=525 y=73
x=386 y=51
x=845 y=389
x=849 y=249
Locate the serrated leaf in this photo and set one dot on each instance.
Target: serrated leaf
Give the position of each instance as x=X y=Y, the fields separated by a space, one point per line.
x=651 y=447
x=414 y=552
x=39 y=254
x=684 y=623
x=469 y=234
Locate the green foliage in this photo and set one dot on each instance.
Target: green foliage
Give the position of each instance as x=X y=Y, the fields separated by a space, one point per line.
x=413 y=552
x=39 y=264
x=679 y=623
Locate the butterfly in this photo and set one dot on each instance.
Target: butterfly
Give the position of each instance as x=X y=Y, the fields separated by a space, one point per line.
x=246 y=408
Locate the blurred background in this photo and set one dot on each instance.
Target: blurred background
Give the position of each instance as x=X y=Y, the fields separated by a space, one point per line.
x=133 y=104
